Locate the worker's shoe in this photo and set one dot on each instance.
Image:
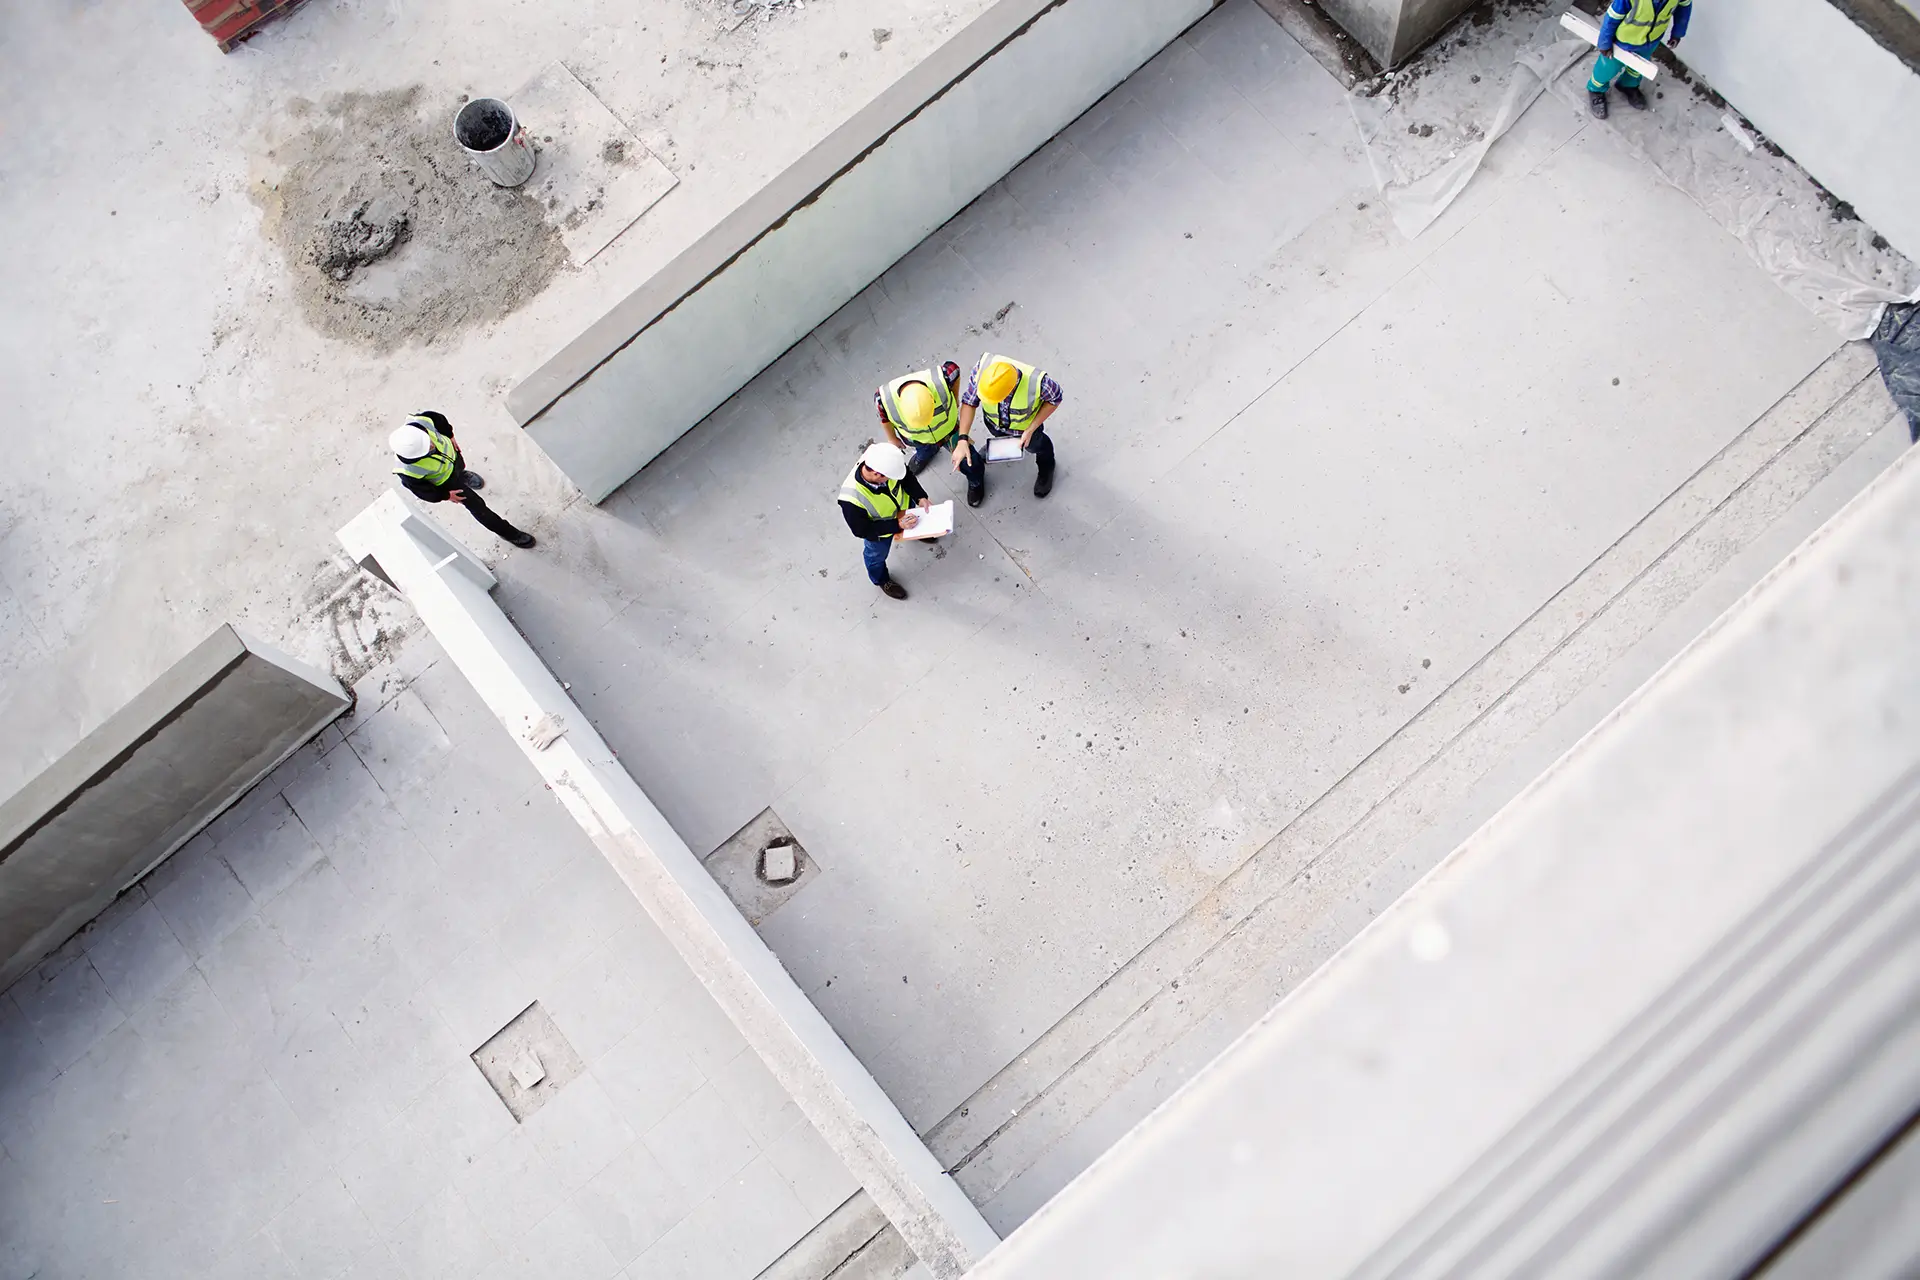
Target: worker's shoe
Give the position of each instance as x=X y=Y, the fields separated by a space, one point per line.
x=1043 y=483
x=893 y=590
x=521 y=540
x=1597 y=103
x=1635 y=99
x=472 y=480
x=975 y=493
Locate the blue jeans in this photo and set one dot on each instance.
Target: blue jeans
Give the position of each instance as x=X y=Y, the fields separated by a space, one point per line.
x=875 y=555
x=974 y=468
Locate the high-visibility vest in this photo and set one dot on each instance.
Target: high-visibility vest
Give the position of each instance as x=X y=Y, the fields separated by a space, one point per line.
x=887 y=504
x=1648 y=22
x=1023 y=400
x=946 y=408
x=436 y=467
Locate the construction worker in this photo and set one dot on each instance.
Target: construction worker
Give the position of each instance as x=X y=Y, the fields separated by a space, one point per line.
x=1015 y=400
x=432 y=470
x=923 y=411
x=880 y=500
x=1639 y=26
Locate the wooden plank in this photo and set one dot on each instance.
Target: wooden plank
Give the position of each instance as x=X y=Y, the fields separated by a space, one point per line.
x=1587 y=29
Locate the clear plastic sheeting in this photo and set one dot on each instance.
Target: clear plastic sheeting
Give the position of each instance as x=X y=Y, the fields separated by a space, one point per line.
x=1896 y=342
x=1428 y=131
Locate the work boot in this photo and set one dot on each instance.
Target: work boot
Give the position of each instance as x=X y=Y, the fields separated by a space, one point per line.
x=975 y=492
x=521 y=540
x=1043 y=483
x=473 y=480
x=1597 y=103
x=893 y=589
x=1635 y=99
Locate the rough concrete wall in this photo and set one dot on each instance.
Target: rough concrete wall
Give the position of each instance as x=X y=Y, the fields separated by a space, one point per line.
x=1837 y=101
x=1371 y=22
x=918 y=164
x=1421 y=21
x=142 y=784
x=1394 y=30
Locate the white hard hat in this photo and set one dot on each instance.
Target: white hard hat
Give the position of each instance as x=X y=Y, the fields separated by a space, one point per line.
x=887 y=460
x=410 y=442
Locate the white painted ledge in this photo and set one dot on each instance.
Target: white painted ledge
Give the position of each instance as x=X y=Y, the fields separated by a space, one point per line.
x=449 y=588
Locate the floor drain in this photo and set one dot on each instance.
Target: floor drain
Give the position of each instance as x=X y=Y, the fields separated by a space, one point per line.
x=528 y=1061
x=761 y=867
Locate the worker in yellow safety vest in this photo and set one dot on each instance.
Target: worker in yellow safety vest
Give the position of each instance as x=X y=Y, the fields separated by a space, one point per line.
x=431 y=469
x=1014 y=399
x=881 y=499
x=1639 y=26
x=921 y=412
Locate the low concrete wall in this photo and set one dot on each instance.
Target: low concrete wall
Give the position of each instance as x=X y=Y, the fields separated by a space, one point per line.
x=448 y=586
x=1837 y=100
x=829 y=226
x=145 y=782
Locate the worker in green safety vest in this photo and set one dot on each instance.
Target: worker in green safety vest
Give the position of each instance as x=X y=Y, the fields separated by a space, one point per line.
x=920 y=412
x=1014 y=399
x=881 y=499
x=1639 y=26
x=431 y=469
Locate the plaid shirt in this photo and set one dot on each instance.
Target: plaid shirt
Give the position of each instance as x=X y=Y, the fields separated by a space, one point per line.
x=999 y=419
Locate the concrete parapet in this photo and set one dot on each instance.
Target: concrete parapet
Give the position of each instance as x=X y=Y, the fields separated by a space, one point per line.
x=143 y=783
x=827 y=227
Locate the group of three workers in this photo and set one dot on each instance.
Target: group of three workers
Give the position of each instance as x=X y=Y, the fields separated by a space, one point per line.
x=926 y=411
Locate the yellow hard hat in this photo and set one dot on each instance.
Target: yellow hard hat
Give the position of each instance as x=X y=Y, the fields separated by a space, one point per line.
x=999 y=380
x=917 y=405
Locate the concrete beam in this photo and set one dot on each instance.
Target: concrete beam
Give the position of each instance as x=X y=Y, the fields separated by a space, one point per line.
x=826 y=1081
x=145 y=782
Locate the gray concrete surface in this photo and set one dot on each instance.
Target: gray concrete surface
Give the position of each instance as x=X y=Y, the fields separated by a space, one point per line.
x=146 y=782
x=1311 y=474
x=158 y=310
x=1292 y=906
x=1641 y=1023
x=796 y=1045
x=255 y=1064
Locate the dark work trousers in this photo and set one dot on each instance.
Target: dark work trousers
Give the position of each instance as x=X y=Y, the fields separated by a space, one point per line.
x=974 y=468
x=1041 y=446
x=489 y=519
x=875 y=555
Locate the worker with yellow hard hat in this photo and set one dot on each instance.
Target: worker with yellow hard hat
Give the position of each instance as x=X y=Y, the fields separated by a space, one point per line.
x=1014 y=399
x=920 y=412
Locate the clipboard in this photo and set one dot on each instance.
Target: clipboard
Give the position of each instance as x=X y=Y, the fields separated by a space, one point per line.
x=935 y=521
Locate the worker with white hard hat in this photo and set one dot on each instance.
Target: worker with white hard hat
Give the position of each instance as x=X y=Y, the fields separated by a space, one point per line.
x=432 y=470
x=920 y=412
x=880 y=500
x=1014 y=399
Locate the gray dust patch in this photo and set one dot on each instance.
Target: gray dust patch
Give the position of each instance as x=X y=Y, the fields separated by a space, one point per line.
x=391 y=236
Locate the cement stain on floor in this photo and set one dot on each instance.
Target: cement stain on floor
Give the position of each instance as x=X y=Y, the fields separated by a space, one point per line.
x=391 y=236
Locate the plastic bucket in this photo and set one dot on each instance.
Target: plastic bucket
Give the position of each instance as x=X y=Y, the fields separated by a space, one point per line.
x=494 y=140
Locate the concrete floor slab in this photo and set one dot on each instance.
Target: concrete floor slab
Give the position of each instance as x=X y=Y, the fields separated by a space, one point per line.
x=292 y=1095
x=1289 y=513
